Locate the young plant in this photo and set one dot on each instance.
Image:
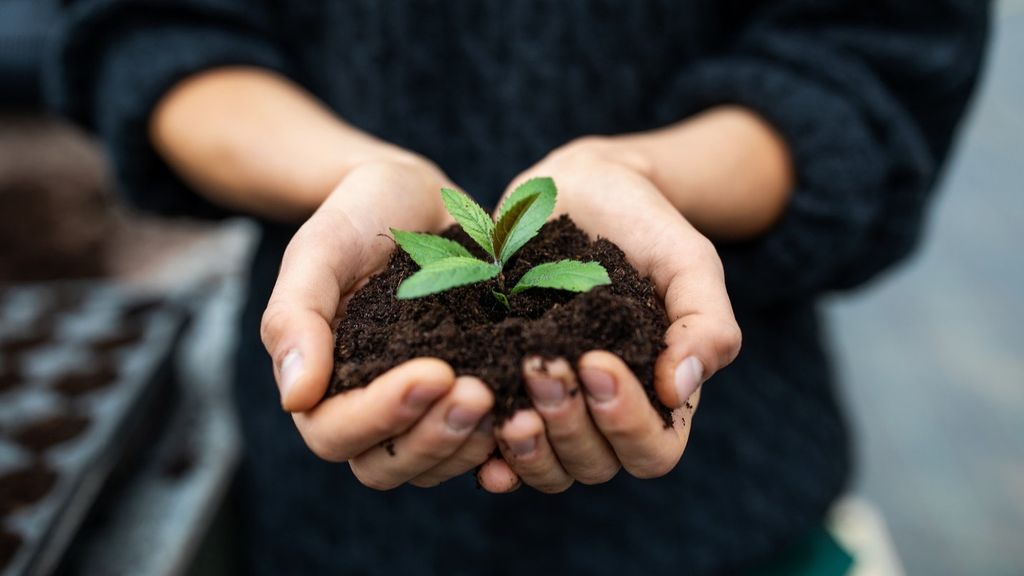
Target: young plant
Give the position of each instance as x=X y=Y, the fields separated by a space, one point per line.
x=446 y=264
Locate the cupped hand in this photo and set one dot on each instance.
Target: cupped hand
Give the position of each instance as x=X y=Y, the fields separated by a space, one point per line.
x=417 y=423
x=588 y=437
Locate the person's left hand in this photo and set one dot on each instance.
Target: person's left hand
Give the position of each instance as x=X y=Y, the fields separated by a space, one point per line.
x=589 y=437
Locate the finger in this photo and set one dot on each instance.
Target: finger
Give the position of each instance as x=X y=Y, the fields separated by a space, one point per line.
x=348 y=424
x=435 y=437
x=697 y=346
x=497 y=477
x=578 y=444
x=704 y=336
x=338 y=247
x=687 y=273
x=473 y=453
x=322 y=262
x=624 y=415
x=526 y=449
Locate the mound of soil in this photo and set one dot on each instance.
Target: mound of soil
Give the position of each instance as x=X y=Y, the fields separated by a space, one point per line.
x=126 y=336
x=24 y=487
x=86 y=379
x=44 y=434
x=9 y=379
x=468 y=328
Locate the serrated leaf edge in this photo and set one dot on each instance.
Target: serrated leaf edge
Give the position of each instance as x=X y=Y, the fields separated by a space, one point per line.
x=536 y=185
x=469 y=215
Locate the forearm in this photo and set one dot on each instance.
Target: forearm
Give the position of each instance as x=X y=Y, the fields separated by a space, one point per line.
x=253 y=141
x=726 y=170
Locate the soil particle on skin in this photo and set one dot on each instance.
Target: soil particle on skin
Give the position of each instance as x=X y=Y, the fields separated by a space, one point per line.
x=9 y=545
x=85 y=380
x=468 y=328
x=44 y=434
x=25 y=487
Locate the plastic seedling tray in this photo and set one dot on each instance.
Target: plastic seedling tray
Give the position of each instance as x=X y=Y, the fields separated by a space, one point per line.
x=83 y=369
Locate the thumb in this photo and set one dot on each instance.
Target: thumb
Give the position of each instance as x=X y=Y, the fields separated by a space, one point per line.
x=704 y=336
x=323 y=261
x=698 y=345
x=301 y=344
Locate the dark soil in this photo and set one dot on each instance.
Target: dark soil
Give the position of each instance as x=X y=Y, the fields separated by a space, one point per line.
x=39 y=336
x=86 y=380
x=25 y=487
x=9 y=544
x=139 y=308
x=9 y=379
x=125 y=336
x=474 y=333
x=45 y=434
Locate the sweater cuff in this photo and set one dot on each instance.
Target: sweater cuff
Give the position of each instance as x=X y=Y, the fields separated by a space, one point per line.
x=112 y=77
x=839 y=170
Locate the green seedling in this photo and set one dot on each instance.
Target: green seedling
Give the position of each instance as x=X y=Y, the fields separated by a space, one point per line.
x=446 y=264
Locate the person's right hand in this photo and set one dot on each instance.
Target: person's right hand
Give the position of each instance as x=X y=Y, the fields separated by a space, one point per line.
x=435 y=426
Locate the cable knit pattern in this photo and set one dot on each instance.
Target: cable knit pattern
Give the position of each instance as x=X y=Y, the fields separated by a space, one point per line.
x=866 y=94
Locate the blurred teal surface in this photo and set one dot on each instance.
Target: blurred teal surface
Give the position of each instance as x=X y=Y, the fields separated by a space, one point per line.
x=818 y=555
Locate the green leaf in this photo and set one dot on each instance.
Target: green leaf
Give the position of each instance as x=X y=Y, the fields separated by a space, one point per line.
x=441 y=275
x=502 y=299
x=471 y=217
x=427 y=248
x=508 y=221
x=528 y=188
x=522 y=214
x=571 y=275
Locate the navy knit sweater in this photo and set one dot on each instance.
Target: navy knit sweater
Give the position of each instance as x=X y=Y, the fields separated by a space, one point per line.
x=867 y=94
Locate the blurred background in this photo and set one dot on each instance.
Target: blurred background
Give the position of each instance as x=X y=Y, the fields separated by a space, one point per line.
x=929 y=357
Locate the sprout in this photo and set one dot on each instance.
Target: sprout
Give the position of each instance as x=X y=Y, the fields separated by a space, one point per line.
x=446 y=264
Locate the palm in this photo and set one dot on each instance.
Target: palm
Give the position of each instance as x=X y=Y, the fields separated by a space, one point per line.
x=330 y=257
x=588 y=440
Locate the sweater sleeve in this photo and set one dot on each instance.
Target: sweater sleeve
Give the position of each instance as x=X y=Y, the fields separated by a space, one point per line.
x=867 y=95
x=112 y=60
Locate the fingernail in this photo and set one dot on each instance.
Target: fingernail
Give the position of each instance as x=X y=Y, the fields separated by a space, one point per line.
x=599 y=384
x=460 y=418
x=290 y=371
x=688 y=376
x=421 y=397
x=522 y=447
x=546 y=391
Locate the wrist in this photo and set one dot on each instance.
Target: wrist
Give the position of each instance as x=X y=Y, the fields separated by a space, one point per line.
x=254 y=141
x=726 y=170
x=330 y=157
x=608 y=150
x=386 y=189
